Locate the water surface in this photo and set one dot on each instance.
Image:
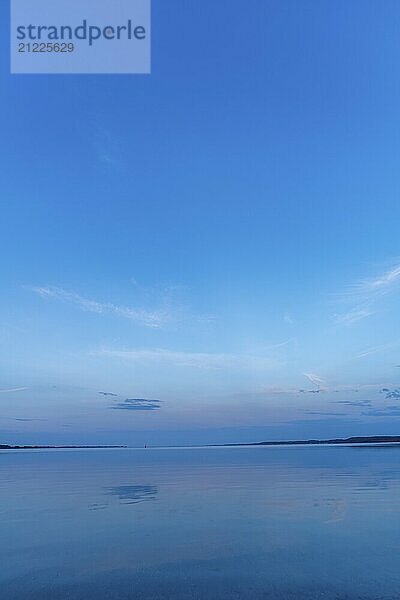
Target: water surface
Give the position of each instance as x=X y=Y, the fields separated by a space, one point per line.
x=250 y=523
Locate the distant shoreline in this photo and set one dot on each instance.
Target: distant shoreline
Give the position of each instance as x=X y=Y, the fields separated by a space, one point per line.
x=376 y=439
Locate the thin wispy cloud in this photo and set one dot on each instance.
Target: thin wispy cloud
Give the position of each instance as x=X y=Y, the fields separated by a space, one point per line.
x=288 y=391
x=387 y=411
x=154 y=318
x=279 y=344
x=376 y=350
x=314 y=379
x=324 y=413
x=356 y=403
x=133 y=494
x=364 y=295
x=27 y=419
x=346 y=389
x=137 y=404
x=10 y=390
x=354 y=315
x=386 y=281
x=367 y=289
x=199 y=360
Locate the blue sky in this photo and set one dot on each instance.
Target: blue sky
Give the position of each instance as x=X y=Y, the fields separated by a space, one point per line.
x=219 y=238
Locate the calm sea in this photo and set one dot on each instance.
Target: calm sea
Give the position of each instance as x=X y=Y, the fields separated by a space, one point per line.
x=201 y=523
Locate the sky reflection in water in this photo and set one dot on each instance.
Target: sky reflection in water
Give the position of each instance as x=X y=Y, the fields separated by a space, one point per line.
x=259 y=523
